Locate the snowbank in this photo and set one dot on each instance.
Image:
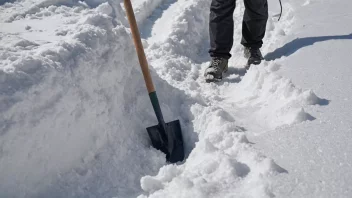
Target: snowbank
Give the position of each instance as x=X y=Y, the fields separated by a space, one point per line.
x=74 y=107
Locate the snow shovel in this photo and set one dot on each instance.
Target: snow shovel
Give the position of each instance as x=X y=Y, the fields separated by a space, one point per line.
x=166 y=137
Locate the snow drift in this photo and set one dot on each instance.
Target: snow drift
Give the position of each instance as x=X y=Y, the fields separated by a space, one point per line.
x=74 y=108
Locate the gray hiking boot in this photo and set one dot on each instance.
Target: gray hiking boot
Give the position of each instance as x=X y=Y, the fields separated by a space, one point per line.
x=254 y=56
x=214 y=72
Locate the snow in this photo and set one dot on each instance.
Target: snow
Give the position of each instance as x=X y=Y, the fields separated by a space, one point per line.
x=67 y=110
x=316 y=154
x=74 y=108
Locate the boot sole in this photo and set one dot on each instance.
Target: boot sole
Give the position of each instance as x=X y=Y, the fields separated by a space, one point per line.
x=209 y=80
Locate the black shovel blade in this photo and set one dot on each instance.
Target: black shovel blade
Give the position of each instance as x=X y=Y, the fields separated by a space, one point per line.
x=173 y=146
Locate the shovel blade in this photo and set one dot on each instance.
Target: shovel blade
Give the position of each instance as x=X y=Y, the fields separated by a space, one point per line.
x=173 y=146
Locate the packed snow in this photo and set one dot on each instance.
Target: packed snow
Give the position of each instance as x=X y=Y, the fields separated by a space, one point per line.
x=74 y=107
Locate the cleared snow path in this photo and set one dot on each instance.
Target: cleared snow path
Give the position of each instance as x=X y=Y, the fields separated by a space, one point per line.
x=223 y=163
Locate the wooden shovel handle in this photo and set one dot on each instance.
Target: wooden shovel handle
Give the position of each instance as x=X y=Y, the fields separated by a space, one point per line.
x=139 y=47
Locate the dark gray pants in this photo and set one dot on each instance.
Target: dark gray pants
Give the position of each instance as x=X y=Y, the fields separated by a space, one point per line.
x=221 y=25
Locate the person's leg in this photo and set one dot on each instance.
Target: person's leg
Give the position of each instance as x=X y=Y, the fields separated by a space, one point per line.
x=254 y=23
x=221 y=27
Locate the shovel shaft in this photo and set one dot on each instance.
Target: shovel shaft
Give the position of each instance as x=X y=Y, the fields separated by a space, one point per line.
x=156 y=106
x=144 y=66
x=165 y=137
x=139 y=47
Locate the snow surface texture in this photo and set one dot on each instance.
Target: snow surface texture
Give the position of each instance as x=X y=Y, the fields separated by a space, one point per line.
x=68 y=117
x=316 y=154
x=74 y=106
x=222 y=164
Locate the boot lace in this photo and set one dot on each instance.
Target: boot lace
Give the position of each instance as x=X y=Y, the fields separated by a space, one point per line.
x=215 y=63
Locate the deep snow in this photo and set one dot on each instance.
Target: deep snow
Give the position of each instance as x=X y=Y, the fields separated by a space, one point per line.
x=68 y=113
x=74 y=107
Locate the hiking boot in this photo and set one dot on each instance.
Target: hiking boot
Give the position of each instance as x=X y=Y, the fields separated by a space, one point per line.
x=254 y=56
x=214 y=72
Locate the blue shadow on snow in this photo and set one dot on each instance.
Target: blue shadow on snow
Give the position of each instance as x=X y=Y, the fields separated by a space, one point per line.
x=298 y=43
x=2 y=2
